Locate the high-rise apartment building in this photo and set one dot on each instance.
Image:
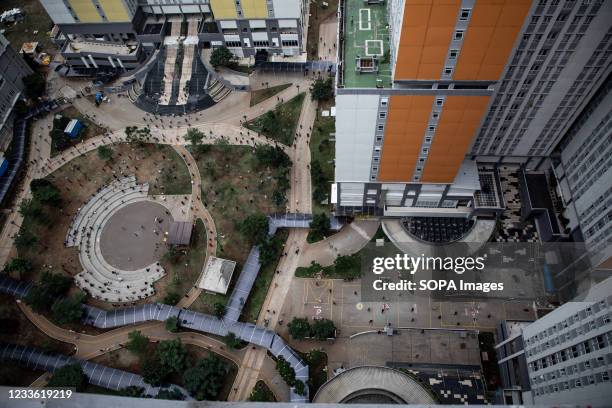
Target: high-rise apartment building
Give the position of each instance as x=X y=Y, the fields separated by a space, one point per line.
x=564 y=357
x=432 y=95
x=12 y=70
x=582 y=164
x=117 y=34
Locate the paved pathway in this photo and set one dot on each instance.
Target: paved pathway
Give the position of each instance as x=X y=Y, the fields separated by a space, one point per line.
x=299 y=201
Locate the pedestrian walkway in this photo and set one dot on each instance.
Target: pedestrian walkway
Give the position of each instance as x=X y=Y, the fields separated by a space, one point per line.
x=96 y=374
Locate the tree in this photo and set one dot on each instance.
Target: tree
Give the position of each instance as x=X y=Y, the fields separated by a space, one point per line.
x=299 y=328
x=170 y=394
x=222 y=57
x=348 y=266
x=32 y=208
x=171 y=298
x=269 y=250
x=68 y=310
x=320 y=226
x=137 y=343
x=261 y=393
x=46 y=192
x=172 y=355
x=231 y=340
x=300 y=388
x=132 y=391
x=18 y=265
x=25 y=239
x=219 y=310
x=254 y=228
x=322 y=90
x=70 y=375
x=172 y=324
x=205 y=380
x=272 y=156
x=105 y=153
x=153 y=372
x=35 y=85
x=285 y=370
x=315 y=357
x=50 y=287
x=323 y=329
x=194 y=137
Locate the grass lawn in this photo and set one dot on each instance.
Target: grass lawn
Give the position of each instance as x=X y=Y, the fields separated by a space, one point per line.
x=36 y=19
x=322 y=151
x=252 y=308
x=280 y=124
x=233 y=187
x=318 y=14
x=173 y=178
x=261 y=95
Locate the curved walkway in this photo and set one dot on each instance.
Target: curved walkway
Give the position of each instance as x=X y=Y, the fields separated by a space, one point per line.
x=349 y=240
x=97 y=374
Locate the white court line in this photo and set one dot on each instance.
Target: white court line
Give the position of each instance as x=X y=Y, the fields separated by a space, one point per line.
x=380 y=44
x=369 y=20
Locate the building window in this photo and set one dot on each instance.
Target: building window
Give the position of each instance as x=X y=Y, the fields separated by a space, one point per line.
x=465 y=14
x=381 y=128
x=458 y=35
x=435 y=115
x=382 y=115
x=453 y=53
x=439 y=101
x=384 y=102
x=448 y=70
x=431 y=128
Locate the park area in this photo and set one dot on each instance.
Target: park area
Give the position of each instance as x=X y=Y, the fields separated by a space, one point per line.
x=236 y=184
x=57 y=198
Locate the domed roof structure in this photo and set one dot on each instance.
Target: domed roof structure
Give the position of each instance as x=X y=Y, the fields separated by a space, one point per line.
x=373 y=385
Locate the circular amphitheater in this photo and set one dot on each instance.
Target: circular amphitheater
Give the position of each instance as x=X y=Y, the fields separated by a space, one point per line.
x=120 y=236
x=373 y=385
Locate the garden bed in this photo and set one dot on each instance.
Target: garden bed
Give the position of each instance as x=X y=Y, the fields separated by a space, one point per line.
x=261 y=95
x=280 y=124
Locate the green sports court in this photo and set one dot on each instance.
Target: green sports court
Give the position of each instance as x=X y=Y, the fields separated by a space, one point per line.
x=366 y=33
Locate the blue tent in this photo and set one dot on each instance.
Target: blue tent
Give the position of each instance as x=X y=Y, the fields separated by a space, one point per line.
x=73 y=129
x=99 y=97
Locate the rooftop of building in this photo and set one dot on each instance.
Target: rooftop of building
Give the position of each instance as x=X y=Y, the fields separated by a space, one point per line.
x=365 y=33
x=217 y=275
x=100 y=47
